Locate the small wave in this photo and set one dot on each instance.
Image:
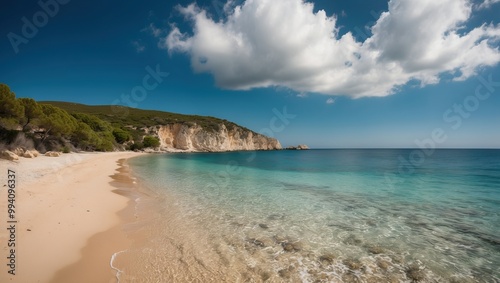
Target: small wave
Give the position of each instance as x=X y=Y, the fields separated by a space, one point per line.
x=118 y=271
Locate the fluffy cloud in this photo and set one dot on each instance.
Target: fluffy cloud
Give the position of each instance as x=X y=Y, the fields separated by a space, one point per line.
x=265 y=43
x=488 y=3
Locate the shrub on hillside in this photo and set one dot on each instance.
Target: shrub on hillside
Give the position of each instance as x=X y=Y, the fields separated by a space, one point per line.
x=121 y=136
x=150 y=141
x=136 y=146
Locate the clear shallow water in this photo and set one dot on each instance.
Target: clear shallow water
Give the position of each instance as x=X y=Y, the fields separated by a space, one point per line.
x=330 y=215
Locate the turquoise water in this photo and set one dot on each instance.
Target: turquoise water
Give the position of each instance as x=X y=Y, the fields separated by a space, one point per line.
x=340 y=215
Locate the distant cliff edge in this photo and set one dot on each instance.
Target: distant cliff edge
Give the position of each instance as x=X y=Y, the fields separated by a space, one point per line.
x=174 y=132
x=192 y=137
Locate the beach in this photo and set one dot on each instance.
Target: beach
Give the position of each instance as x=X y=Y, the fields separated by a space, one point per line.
x=69 y=213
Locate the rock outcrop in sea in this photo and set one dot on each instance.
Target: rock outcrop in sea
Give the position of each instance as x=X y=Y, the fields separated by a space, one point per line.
x=299 y=147
x=192 y=137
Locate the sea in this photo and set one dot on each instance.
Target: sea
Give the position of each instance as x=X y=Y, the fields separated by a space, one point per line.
x=325 y=215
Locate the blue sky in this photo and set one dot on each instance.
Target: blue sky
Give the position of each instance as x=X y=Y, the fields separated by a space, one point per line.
x=351 y=73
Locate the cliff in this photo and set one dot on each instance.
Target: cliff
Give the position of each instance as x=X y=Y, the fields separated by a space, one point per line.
x=128 y=127
x=193 y=137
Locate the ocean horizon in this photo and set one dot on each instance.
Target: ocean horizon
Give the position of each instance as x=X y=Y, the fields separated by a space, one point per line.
x=323 y=215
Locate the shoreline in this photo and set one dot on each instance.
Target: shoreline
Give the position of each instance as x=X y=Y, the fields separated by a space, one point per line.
x=159 y=237
x=71 y=213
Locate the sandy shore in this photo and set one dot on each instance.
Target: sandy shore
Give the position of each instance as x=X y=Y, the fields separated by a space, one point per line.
x=69 y=218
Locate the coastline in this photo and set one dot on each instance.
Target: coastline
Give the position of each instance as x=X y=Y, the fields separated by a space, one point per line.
x=71 y=211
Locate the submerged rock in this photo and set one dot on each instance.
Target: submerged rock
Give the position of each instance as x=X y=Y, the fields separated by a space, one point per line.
x=353 y=264
x=258 y=243
x=375 y=250
x=327 y=258
x=285 y=273
x=350 y=278
x=298 y=246
x=280 y=239
x=288 y=247
x=397 y=259
x=383 y=264
x=322 y=277
x=265 y=275
x=414 y=273
x=263 y=226
x=352 y=240
x=292 y=247
x=261 y=242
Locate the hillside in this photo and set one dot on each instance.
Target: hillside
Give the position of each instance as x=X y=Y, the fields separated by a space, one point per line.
x=64 y=126
x=126 y=116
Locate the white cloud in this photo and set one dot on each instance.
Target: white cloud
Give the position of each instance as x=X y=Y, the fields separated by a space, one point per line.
x=139 y=47
x=265 y=43
x=156 y=32
x=487 y=3
x=330 y=100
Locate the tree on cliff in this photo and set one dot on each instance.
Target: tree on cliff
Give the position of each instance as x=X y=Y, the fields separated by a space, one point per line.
x=10 y=108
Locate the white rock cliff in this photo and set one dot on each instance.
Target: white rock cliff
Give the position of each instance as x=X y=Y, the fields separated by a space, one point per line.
x=193 y=137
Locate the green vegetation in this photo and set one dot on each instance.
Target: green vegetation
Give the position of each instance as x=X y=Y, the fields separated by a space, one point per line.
x=11 y=109
x=121 y=136
x=136 y=146
x=150 y=141
x=65 y=126
x=32 y=111
x=56 y=122
x=46 y=126
x=120 y=116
